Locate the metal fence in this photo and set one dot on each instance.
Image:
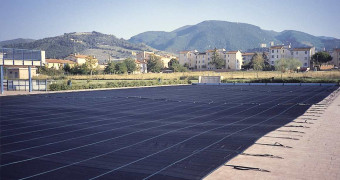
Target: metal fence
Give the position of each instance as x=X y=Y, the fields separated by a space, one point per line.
x=23 y=85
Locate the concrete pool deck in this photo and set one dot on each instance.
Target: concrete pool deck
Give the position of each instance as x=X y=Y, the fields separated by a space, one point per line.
x=307 y=148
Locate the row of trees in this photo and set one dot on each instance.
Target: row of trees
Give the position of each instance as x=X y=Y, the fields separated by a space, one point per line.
x=89 y=67
x=155 y=65
x=261 y=62
x=126 y=66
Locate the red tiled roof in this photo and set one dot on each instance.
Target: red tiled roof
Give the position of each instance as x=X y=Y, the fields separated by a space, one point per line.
x=183 y=52
x=81 y=56
x=302 y=49
x=276 y=47
x=232 y=52
x=248 y=54
x=61 y=61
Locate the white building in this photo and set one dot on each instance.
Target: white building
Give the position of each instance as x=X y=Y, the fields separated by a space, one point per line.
x=336 y=57
x=202 y=60
x=145 y=56
x=278 y=52
x=303 y=55
x=188 y=57
x=233 y=60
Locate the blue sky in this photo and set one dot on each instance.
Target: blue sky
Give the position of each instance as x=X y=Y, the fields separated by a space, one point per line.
x=125 y=18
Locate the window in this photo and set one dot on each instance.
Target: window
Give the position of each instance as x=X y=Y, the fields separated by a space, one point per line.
x=305 y=58
x=203 y=61
x=305 y=64
x=277 y=56
x=272 y=62
x=277 y=51
x=305 y=52
x=292 y=53
x=272 y=51
x=297 y=52
x=283 y=51
x=272 y=56
x=208 y=59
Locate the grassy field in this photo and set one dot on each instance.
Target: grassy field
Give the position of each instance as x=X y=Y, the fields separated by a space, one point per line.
x=333 y=75
x=152 y=79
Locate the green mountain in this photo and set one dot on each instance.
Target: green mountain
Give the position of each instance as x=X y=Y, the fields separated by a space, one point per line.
x=15 y=41
x=229 y=35
x=94 y=43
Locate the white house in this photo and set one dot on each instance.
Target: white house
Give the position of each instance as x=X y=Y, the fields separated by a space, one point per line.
x=303 y=54
x=233 y=60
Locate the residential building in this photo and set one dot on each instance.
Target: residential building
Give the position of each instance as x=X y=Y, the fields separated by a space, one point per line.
x=81 y=59
x=278 y=52
x=141 y=67
x=77 y=58
x=233 y=60
x=202 y=60
x=336 y=57
x=58 y=63
x=303 y=55
x=188 y=57
x=145 y=56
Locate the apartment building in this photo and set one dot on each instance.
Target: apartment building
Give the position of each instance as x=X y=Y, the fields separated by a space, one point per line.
x=145 y=56
x=302 y=54
x=278 y=52
x=81 y=59
x=233 y=60
x=188 y=57
x=336 y=57
x=202 y=60
x=58 y=63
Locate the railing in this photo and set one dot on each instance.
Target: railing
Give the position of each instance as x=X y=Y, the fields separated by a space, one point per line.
x=23 y=85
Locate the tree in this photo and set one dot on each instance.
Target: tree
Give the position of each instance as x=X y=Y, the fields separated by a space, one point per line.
x=172 y=62
x=130 y=64
x=186 y=65
x=91 y=64
x=154 y=64
x=287 y=64
x=121 y=68
x=257 y=62
x=217 y=61
x=320 y=58
x=110 y=68
x=176 y=67
x=67 y=68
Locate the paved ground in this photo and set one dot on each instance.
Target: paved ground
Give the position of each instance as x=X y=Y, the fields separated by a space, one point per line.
x=313 y=152
x=178 y=132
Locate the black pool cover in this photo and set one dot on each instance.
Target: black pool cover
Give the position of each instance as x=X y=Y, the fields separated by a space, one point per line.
x=178 y=132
